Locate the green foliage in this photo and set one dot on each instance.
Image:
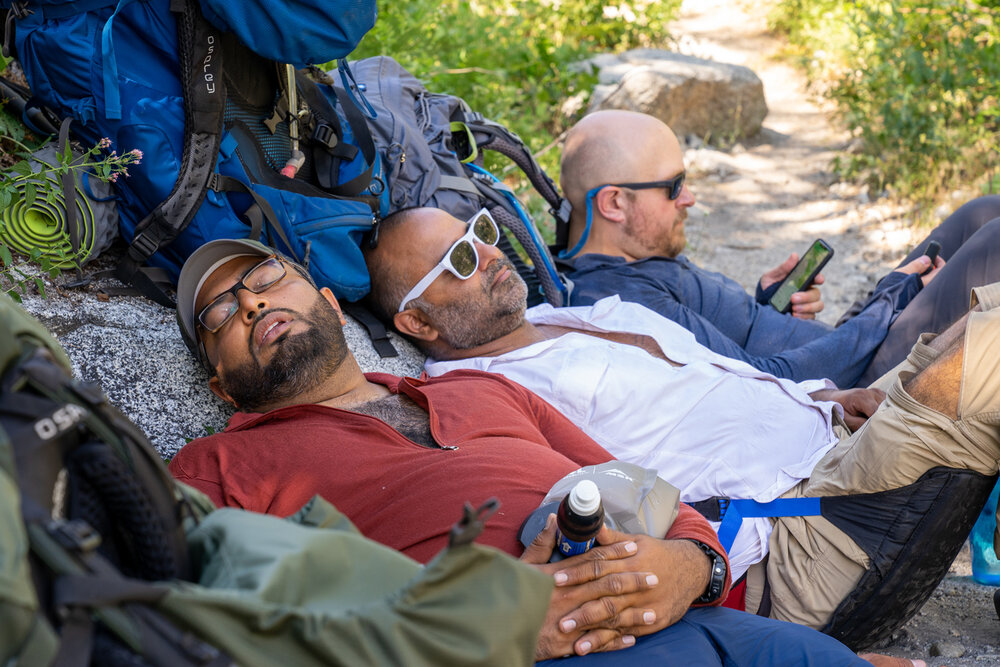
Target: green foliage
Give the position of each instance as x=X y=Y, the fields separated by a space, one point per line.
x=510 y=59
x=919 y=82
x=15 y=282
x=23 y=184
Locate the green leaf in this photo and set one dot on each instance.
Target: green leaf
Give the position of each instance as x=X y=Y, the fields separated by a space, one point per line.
x=40 y=285
x=65 y=153
x=22 y=168
x=6 y=198
x=29 y=194
x=11 y=126
x=5 y=255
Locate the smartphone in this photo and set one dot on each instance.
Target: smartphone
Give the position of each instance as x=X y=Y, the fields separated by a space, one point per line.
x=802 y=276
x=933 y=248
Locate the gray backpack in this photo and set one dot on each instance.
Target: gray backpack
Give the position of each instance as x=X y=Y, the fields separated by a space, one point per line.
x=431 y=146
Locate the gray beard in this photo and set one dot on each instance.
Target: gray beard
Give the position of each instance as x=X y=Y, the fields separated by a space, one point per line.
x=464 y=325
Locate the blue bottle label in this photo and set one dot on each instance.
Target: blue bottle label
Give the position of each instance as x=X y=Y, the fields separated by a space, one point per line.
x=568 y=547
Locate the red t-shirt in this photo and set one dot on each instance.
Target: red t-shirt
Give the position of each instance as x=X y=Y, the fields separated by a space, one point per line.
x=507 y=441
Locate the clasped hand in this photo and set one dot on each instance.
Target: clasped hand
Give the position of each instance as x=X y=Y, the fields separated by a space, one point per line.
x=629 y=585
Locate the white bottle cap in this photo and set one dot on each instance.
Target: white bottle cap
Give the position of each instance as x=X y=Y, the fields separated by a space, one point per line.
x=585 y=498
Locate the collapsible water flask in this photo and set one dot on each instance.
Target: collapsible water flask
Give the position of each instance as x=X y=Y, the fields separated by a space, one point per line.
x=985 y=565
x=579 y=519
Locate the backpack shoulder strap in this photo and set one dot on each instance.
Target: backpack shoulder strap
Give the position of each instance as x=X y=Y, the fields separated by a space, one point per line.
x=494 y=136
x=199 y=51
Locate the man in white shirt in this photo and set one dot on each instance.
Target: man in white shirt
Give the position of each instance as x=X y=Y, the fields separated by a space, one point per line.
x=642 y=387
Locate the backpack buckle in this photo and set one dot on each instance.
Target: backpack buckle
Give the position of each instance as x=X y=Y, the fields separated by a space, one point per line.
x=76 y=535
x=325 y=135
x=468 y=528
x=142 y=247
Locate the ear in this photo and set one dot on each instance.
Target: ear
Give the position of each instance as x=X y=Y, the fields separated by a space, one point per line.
x=216 y=388
x=611 y=204
x=332 y=300
x=413 y=322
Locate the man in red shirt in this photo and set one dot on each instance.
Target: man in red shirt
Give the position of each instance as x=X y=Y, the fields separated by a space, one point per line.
x=399 y=456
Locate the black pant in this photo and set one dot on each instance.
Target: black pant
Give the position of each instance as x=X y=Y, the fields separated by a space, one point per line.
x=970 y=244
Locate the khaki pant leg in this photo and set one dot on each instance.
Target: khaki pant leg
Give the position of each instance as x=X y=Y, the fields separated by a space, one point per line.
x=813 y=565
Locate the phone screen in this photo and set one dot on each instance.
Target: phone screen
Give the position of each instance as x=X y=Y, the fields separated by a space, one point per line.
x=803 y=273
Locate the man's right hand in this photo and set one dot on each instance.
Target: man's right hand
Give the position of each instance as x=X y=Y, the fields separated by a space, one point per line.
x=611 y=590
x=921 y=264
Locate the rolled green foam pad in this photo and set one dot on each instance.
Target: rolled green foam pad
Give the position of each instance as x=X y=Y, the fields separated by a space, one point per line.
x=44 y=226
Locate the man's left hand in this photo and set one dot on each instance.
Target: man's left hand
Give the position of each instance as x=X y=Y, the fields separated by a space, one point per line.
x=683 y=571
x=805 y=304
x=858 y=404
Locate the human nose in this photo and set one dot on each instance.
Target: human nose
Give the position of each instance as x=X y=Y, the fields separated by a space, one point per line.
x=487 y=253
x=686 y=197
x=251 y=304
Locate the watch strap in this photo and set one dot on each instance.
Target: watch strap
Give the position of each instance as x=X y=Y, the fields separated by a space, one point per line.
x=717 y=576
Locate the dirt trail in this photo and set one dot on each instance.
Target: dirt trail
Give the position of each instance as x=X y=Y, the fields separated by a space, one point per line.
x=772 y=195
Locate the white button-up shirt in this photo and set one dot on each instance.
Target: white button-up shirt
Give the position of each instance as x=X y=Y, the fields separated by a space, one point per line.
x=713 y=426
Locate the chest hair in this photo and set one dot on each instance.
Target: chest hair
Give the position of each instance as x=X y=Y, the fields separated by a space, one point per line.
x=401 y=413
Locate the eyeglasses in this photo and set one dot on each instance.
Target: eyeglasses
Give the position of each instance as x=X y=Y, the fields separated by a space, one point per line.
x=261 y=277
x=673 y=186
x=462 y=258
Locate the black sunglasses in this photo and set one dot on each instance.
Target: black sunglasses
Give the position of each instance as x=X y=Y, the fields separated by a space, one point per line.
x=672 y=186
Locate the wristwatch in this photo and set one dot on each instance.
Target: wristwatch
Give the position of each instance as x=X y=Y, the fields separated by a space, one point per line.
x=717 y=578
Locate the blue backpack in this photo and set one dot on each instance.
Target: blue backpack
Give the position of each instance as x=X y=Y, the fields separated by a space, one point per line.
x=218 y=138
x=211 y=117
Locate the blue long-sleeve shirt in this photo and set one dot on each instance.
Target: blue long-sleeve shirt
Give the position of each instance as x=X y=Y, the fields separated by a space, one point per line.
x=724 y=318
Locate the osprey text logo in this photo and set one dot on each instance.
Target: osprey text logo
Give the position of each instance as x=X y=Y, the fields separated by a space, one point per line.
x=62 y=419
x=207 y=65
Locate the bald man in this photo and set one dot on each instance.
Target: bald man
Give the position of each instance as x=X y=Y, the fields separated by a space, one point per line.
x=623 y=173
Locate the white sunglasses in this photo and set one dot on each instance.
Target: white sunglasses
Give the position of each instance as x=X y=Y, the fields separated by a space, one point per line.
x=462 y=258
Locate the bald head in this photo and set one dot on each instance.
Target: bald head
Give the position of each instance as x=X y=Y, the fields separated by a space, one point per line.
x=641 y=219
x=390 y=262
x=614 y=146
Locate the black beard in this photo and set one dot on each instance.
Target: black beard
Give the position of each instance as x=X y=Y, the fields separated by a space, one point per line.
x=299 y=363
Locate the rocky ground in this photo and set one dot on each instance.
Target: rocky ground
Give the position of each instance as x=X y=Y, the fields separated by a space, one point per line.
x=772 y=195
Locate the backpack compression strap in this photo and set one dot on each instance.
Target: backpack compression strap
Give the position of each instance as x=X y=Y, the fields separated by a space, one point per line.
x=199 y=50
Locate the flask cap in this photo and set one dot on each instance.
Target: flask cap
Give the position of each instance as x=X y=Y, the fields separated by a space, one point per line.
x=585 y=498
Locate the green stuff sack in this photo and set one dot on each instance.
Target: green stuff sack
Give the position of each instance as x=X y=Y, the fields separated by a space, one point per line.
x=106 y=560
x=310 y=590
